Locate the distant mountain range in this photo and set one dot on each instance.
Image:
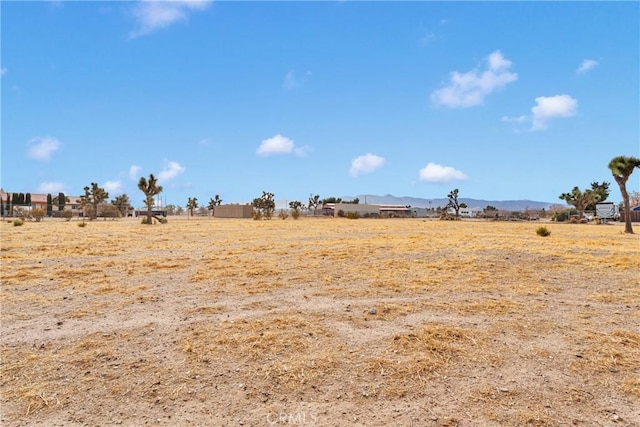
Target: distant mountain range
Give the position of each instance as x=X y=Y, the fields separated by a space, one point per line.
x=416 y=202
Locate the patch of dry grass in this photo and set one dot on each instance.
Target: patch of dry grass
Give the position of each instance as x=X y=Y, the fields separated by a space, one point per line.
x=259 y=312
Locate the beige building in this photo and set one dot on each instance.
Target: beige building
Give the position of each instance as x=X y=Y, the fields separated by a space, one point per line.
x=233 y=211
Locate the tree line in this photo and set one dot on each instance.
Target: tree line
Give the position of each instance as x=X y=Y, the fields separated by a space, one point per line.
x=93 y=201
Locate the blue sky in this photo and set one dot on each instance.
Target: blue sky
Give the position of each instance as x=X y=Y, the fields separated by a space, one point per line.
x=503 y=100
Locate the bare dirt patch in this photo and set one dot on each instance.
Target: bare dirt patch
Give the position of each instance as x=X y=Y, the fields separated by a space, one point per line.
x=328 y=322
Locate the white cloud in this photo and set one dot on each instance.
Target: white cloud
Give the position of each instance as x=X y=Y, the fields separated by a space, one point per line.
x=151 y=16
x=519 y=119
x=586 y=65
x=471 y=88
x=51 y=187
x=134 y=170
x=112 y=186
x=293 y=81
x=41 y=148
x=436 y=173
x=551 y=107
x=277 y=144
x=365 y=164
x=3 y=71
x=171 y=170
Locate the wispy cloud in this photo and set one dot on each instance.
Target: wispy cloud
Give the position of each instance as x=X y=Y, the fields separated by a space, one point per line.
x=428 y=39
x=365 y=164
x=41 y=148
x=439 y=174
x=170 y=171
x=518 y=119
x=134 y=170
x=112 y=186
x=552 y=107
x=3 y=71
x=293 y=80
x=151 y=16
x=586 y=65
x=279 y=144
x=50 y=187
x=471 y=88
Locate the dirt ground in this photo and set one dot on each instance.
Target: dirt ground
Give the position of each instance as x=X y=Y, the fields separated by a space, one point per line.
x=327 y=322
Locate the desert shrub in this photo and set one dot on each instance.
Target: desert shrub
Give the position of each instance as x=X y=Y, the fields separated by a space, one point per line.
x=163 y=220
x=145 y=220
x=110 y=211
x=543 y=231
x=82 y=224
x=283 y=214
x=295 y=214
x=17 y=222
x=341 y=213
x=21 y=213
x=257 y=214
x=38 y=214
x=353 y=215
x=65 y=214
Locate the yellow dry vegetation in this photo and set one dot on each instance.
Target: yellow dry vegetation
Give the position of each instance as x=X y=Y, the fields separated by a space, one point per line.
x=457 y=322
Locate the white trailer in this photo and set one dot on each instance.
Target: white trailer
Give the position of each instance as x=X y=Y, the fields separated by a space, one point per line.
x=606 y=211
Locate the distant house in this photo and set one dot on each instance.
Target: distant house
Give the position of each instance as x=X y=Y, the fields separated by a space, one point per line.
x=396 y=210
x=334 y=209
x=466 y=212
x=39 y=201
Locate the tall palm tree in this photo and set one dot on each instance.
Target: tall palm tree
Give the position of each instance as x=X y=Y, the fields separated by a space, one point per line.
x=150 y=189
x=622 y=167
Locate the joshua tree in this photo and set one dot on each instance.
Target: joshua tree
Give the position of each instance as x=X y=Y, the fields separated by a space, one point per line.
x=213 y=203
x=192 y=204
x=453 y=202
x=581 y=200
x=621 y=168
x=150 y=189
x=265 y=204
x=602 y=190
x=122 y=203
x=93 y=197
x=295 y=206
x=314 y=201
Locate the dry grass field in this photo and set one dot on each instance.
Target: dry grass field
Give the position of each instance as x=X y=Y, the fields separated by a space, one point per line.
x=328 y=322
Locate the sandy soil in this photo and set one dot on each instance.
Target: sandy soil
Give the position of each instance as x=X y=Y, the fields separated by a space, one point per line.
x=327 y=322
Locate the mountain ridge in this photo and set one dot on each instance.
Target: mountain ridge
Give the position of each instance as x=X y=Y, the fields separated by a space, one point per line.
x=417 y=202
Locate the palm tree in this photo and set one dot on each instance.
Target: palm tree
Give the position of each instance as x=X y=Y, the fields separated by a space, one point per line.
x=150 y=190
x=622 y=167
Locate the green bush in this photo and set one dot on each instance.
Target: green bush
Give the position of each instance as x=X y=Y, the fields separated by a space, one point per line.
x=82 y=224
x=341 y=213
x=17 y=222
x=353 y=215
x=543 y=231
